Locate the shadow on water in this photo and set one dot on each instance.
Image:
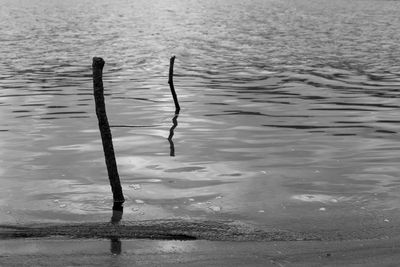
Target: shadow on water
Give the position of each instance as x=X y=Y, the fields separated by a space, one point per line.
x=171 y=134
x=116 y=245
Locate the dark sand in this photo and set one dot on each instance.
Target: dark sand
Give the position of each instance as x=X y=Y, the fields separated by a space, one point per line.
x=190 y=243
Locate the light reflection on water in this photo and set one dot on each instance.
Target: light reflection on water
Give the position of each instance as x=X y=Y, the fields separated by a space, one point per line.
x=281 y=101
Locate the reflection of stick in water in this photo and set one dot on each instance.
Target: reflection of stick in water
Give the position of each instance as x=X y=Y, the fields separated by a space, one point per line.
x=98 y=89
x=116 y=246
x=171 y=84
x=171 y=134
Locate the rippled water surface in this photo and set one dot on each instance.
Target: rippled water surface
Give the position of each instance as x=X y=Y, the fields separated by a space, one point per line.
x=290 y=110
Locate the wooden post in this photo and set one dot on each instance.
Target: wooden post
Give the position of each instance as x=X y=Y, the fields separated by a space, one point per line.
x=98 y=90
x=171 y=84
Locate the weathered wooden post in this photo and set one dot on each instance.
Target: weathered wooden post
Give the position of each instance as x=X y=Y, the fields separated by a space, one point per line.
x=171 y=84
x=98 y=90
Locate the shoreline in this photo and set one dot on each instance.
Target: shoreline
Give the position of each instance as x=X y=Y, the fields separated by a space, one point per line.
x=155 y=230
x=192 y=243
x=179 y=229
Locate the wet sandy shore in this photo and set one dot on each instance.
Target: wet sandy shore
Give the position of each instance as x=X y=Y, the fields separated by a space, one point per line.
x=103 y=252
x=192 y=243
x=180 y=229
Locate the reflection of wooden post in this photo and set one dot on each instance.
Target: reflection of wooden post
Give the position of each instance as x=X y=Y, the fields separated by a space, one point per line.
x=116 y=246
x=171 y=134
x=171 y=84
x=98 y=64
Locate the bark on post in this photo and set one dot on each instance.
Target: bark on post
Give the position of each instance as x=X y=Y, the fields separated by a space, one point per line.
x=98 y=90
x=171 y=84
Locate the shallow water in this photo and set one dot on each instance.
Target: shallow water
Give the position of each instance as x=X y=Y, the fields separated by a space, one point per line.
x=289 y=110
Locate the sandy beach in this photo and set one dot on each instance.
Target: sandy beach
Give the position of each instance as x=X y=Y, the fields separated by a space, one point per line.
x=191 y=243
x=101 y=252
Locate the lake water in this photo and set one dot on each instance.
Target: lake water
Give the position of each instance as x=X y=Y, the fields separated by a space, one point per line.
x=290 y=110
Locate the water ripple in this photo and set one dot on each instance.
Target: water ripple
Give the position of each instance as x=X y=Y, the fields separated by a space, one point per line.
x=277 y=96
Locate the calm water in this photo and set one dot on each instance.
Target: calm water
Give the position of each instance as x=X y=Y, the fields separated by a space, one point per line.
x=289 y=110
